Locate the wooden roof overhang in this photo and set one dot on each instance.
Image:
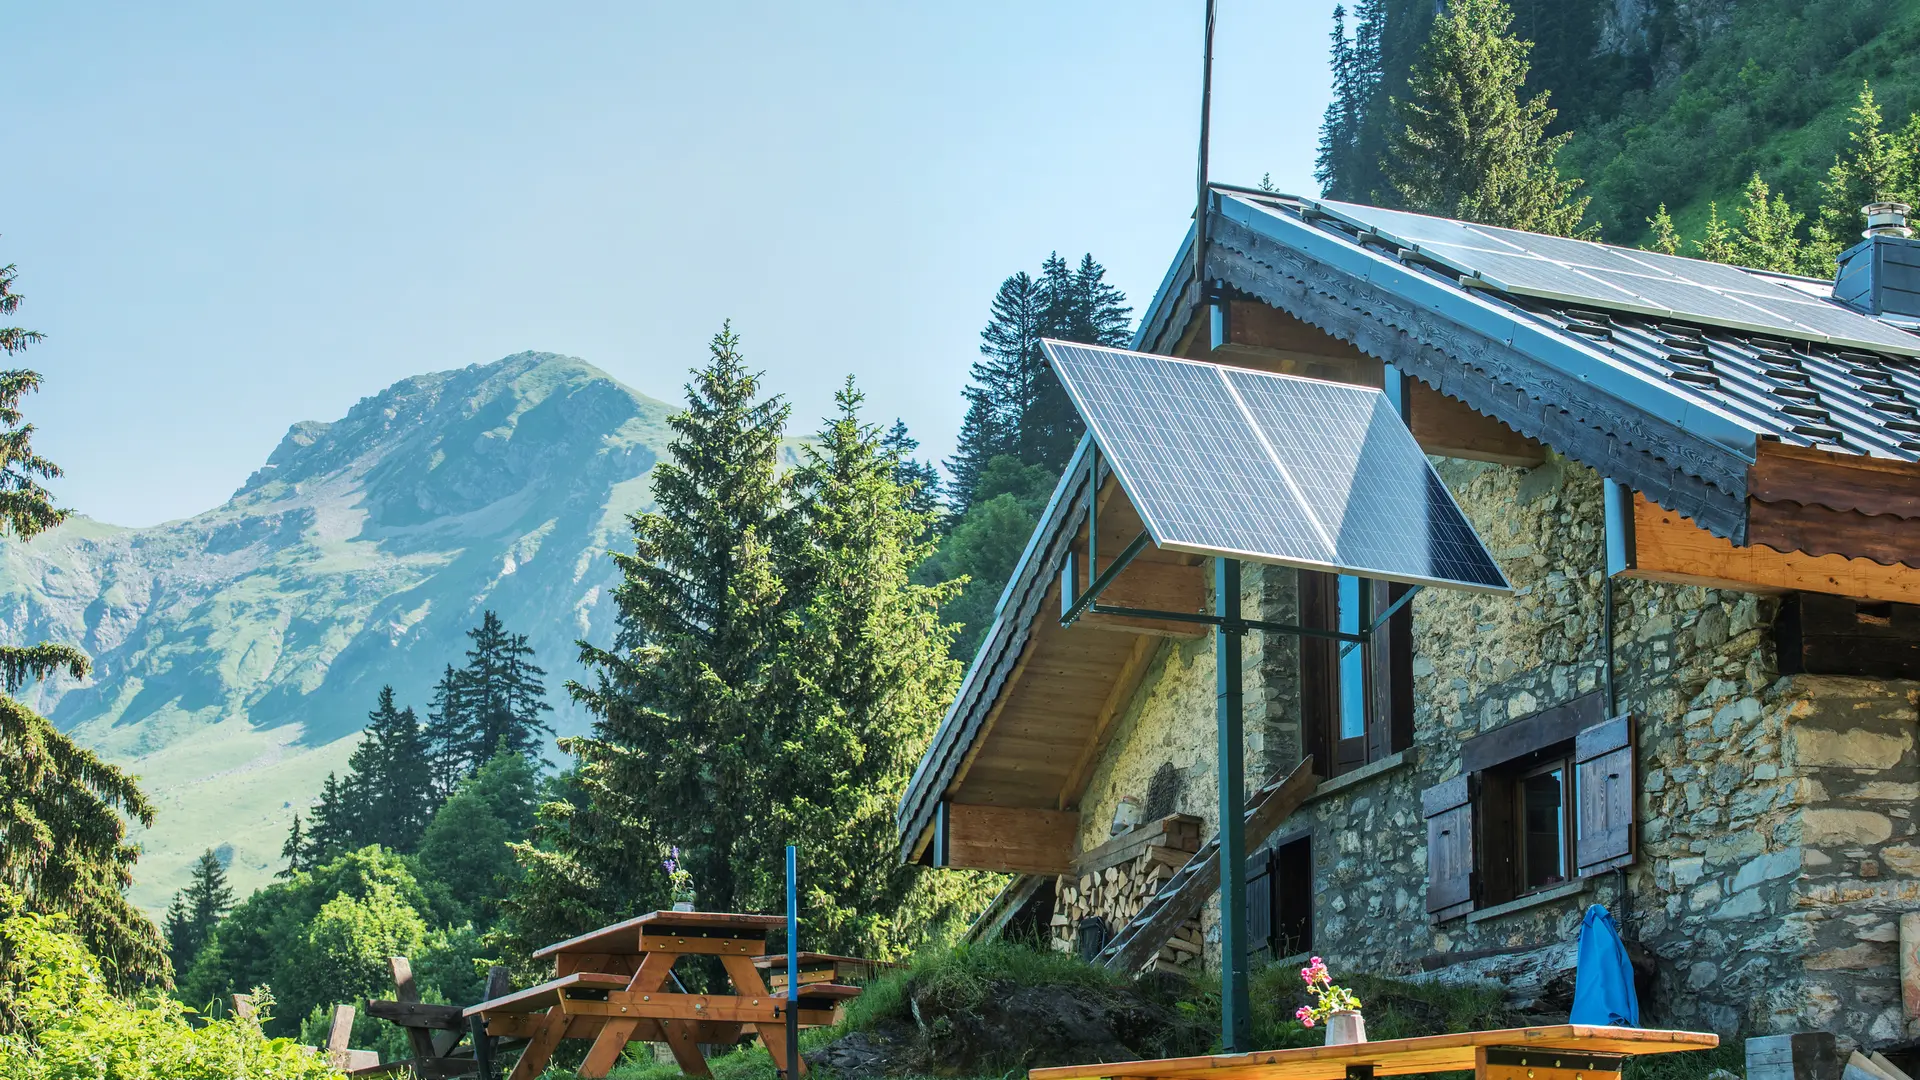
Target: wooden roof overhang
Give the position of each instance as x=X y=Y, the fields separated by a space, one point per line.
x=1717 y=499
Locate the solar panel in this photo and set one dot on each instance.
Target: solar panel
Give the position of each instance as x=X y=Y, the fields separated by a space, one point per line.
x=1626 y=279
x=1272 y=468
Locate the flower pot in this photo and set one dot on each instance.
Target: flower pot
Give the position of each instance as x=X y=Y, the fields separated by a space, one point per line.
x=683 y=905
x=1346 y=1026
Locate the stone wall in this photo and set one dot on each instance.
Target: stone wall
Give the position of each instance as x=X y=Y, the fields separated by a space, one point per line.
x=1776 y=839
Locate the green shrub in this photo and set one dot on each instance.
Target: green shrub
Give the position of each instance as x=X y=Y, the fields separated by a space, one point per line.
x=61 y=1023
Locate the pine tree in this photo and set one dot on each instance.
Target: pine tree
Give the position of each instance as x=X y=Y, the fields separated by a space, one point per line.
x=862 y=680
x=919 y=477
x=1717 y=244
x=294 y=850
x=1769 y=233
x=678 y=699
x=1004 y=382
x=1879 y=165
x=196 y=910
x=501 y=693
x=335 y=825
x=1469 y=147
x=1340 y=125
x=448 y=735
x=63 y=811
x=389 y=770
x=1666 y=239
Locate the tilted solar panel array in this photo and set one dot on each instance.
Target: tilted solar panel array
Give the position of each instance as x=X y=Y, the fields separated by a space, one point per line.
x=1272 y=468
x=1626 y=279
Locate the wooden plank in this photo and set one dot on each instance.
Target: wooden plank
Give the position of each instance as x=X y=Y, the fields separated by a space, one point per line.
x=411 y=1014
x=1451 y=428
x=696 y=1007
x=540 y=1047
x=1816 y=530
x=405 y=992
x=534 y=998
x=1816 y=477
x=1670 y=547
x=1139 y=661
x=1517 y=738
x=1011 y=839
x=621 y=937
x=684 y=946
x=1172 y=829
x=1432 y=1053
x=614 y=1035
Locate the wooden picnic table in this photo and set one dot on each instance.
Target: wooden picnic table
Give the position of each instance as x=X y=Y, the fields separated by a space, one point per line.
x=613 y=986
x=1557 y=1052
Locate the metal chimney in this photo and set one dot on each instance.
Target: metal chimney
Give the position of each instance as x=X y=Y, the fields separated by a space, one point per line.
x=1881 y=274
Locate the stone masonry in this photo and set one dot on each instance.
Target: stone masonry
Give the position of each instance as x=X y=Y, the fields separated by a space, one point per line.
x=1777 y=841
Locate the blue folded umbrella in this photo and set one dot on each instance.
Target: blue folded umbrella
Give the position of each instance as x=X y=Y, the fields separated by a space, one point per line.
x=1603 y=978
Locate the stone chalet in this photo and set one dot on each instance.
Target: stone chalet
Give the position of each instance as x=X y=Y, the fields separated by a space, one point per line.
x=1698 y=706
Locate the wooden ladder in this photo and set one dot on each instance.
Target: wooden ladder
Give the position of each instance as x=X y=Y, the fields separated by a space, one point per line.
x=1183 y=894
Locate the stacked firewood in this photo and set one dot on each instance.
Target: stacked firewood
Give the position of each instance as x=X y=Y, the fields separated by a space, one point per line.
x=1116 y=879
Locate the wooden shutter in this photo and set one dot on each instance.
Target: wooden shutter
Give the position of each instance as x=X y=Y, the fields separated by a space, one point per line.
x=1603 y=771
x=1260 y=901
x=1449 y=812
x=1389 y=673
x=1319 y=673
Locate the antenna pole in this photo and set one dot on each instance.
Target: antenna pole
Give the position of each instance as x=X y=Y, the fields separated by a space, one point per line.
x=1200 y=203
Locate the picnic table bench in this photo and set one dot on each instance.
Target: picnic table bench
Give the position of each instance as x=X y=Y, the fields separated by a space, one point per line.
x=615 y=986
x=1556 y=1052
x=819 y=968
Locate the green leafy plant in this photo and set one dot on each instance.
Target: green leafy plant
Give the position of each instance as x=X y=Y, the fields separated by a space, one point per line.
x=1327 y=997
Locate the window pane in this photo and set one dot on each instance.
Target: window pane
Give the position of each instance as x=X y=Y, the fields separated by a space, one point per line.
x=1353 y=661
x=1543 y=841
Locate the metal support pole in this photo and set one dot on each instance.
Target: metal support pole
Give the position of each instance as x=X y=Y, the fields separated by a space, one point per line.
x=793 y=963
x=1236 y=1028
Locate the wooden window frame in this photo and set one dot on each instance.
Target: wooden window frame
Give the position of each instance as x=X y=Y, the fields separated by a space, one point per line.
x=1388 y=665
x=1475 y=827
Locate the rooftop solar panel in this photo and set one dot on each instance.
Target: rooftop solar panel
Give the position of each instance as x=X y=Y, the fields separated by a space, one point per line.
x=1272 y=468
x=1578 y=271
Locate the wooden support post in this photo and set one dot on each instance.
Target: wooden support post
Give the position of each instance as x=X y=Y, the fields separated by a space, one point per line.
x=340 y=1036
x=533 y=1060
x=404 y=990
x=613 y=1038
x=747 y=983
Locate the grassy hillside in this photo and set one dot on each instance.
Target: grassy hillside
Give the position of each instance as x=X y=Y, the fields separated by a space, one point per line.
x=1760 y=86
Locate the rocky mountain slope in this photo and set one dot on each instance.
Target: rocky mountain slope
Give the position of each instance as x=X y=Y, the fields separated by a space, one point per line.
x=237 y=652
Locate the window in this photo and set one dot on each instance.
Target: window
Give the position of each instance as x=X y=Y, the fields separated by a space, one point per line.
x=1539 y=802
x=1356 y=700
x=1280 y=899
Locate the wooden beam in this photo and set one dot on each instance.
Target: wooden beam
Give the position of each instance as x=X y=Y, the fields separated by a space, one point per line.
x=1815 y=477
x=1669 y=547
x=1156 y=586
x=1010 y=839
x=1138 y=661
x=1450 y=428
x=1817 y=530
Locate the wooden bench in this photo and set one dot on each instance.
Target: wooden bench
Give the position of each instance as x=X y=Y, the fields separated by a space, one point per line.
x=819 y=968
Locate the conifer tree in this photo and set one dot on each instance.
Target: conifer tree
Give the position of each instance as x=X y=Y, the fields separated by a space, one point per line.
x=196 y=910
x=1769 y=233
x=389 y=772
x=294 y=850
x=863 y=678
x=1666 y=239
x=679 y=697
x=63 y=811
x=1878 y=165
x=1468 y=146
x=334 y=826
x=1004 y=383
x=447 y=735
x=501 y=694
x=1340 y=125
x=919 y=477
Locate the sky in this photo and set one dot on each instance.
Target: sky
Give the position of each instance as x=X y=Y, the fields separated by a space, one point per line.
x=231 y=218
